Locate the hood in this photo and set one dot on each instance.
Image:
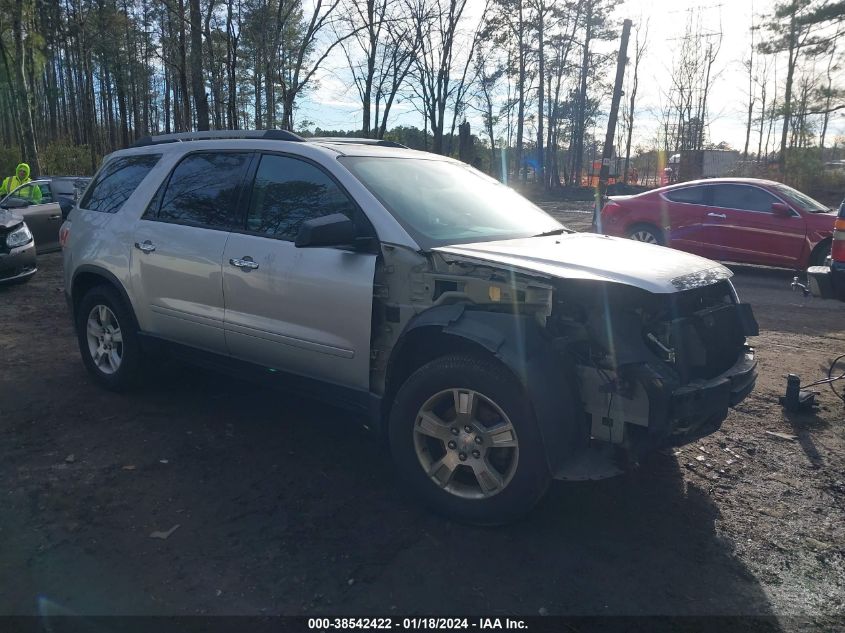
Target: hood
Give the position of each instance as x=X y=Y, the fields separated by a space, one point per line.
x=823 y=220
x=9 y=219
x=23 y=166
x=600 y=258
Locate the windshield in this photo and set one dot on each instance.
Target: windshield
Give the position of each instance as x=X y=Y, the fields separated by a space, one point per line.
x=440 y=202
x=801 y=200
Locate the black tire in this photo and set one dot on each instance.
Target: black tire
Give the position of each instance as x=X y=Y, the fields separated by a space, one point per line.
x=127 y=374
x=638 y=232
x=820 y=253
x=529 y=476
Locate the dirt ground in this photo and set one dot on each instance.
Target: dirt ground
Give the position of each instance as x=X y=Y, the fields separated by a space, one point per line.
x=284 y=506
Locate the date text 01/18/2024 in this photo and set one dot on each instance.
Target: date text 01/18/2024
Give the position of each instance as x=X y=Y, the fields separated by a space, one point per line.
x=415 y=624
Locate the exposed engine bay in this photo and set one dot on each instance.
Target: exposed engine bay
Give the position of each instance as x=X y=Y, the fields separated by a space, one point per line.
x=630 y=344
x=648 y=368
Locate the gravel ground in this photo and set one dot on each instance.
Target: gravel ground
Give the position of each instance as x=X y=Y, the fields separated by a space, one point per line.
x=284 y=506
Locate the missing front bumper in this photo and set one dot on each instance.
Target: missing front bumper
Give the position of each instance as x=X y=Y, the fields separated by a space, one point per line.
x=645 y=405
x=699 y=408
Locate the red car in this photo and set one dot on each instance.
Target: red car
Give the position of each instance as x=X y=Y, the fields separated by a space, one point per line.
x=741 y=220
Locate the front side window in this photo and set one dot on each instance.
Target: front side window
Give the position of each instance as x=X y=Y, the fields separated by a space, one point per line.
x=688 y=195
x=801 y=200
x=33 y=193
x=116 y=181
x=742 y=197
x=203 y=190
x=287 y=192
x=440 y=202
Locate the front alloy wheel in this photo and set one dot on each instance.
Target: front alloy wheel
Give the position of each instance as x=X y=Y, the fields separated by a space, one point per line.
x=466 y=443
x=464 y=437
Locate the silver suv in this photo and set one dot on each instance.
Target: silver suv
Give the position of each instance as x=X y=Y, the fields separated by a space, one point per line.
x=493 y=348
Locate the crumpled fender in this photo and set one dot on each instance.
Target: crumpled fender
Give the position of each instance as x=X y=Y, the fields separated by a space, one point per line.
x=518 y=342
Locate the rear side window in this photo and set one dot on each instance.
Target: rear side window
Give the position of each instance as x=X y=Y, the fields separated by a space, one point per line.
x=116 y=181
x=689 y=195
x=742 y=197
x=203 y=190
x=287 y=192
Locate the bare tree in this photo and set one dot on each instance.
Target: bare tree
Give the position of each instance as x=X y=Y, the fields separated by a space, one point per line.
x=436 y=23
x=748 y=64
x=827 y=95
x=761 y=79
x=628 y=113
x=197 y=83
x=687 y=99
x=787 y=34
x=23 y=93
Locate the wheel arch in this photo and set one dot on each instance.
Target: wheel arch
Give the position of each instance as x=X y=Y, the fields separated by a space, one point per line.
x=822 y=245
x=88 y=276
x=515 y=341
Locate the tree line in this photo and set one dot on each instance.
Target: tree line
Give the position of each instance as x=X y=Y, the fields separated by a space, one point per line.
x=80 y=78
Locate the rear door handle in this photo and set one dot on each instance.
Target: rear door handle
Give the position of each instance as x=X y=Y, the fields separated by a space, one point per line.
x=145 y=247
x=244 y=262
x=55 y=217
x=717 y=215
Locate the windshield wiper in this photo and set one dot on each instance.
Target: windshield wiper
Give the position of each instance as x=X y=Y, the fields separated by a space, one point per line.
x=552 y=232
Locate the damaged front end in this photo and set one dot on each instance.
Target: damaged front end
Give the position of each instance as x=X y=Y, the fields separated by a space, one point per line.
x=611 y=369
x=654 y=369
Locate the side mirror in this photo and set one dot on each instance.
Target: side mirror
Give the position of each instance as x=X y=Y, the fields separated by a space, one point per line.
x=330 y=230
x=782 y=210
x=66 y=205
x=14 y=203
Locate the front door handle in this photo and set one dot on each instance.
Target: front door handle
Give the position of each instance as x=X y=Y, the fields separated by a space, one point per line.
x=145 y=247
x=717 y=215
x=55 y=217
x=244 y=262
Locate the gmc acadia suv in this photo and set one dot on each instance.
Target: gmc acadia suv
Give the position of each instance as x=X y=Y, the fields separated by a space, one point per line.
x=491 y=346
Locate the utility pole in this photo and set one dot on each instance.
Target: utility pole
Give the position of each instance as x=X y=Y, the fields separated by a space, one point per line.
x=621 y=61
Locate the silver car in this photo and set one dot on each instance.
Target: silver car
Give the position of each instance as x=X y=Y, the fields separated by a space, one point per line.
x=45 y=210
x=492 y=347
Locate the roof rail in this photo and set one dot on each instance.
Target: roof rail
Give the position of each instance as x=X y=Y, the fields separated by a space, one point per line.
x=356 y=141
x=271 y=135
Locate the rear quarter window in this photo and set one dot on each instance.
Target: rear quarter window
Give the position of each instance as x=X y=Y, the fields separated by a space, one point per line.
x=116 y=181
x=688 y=195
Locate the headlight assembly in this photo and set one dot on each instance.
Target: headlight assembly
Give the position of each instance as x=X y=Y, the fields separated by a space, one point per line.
x=19 y=237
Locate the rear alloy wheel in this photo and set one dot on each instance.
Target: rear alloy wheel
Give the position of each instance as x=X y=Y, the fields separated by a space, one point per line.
x=463 y=435
x=645 y=233
x=105 y=340
x=108 y=340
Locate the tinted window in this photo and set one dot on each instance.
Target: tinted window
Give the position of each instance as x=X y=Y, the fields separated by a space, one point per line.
x=742 y=197
x=203 y=189
x=287 y=192
x=69 y=187
x=801 y=200
x=690 y=195
x=33 y=193
x=116 y=181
